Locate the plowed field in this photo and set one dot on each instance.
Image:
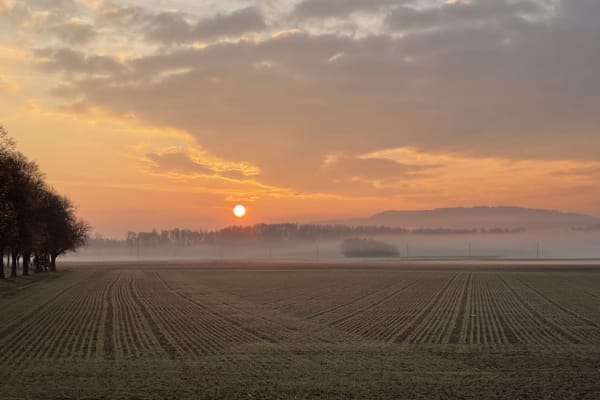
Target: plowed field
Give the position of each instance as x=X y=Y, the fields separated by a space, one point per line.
x=286 y=331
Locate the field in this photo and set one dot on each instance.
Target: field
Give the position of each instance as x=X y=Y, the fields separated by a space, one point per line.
x=302 y=331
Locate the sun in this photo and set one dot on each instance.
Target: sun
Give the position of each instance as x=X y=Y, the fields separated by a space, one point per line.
x=239 y=211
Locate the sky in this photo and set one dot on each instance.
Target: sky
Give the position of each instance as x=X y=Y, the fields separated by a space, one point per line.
x=168 y=113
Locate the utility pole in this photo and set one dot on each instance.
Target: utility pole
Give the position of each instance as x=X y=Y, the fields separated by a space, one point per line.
x=318 y=241
x=538 y=249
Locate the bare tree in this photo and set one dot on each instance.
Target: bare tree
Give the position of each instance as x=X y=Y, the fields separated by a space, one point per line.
x=33 y=218
x=25 y=183
x=7 y=211
x=63 y=231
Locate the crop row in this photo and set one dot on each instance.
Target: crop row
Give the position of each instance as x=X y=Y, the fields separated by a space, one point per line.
x=65 y=326
x=116 y=315
x=464 y=308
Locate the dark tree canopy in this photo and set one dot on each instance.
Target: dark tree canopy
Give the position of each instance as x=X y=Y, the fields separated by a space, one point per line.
x=358 y=247
x=35 y=221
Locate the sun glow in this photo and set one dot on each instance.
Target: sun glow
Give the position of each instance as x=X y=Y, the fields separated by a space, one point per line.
x=239 y=211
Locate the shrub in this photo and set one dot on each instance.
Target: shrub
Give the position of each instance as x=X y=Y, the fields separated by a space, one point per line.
x=359 y=247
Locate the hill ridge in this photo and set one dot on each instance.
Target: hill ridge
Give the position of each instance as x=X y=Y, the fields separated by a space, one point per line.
x=478 y=216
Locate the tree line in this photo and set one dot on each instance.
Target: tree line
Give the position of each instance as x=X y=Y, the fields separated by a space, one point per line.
x=37 y=224
x=269 y=233
x=272 y=233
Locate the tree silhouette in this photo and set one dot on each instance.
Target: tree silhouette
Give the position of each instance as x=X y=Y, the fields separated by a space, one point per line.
x=7 y=212
x=33 y=218
x=25 y=184
x=63 y=231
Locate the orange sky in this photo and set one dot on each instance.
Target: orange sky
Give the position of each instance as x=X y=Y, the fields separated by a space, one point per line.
x=300 y=112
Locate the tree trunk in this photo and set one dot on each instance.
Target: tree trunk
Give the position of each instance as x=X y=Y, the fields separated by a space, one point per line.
x=13 y=266
x=26 y=259
x=53 y=262
x=2 y=274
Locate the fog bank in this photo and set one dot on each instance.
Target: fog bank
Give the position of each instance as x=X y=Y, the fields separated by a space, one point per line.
x=542 y=244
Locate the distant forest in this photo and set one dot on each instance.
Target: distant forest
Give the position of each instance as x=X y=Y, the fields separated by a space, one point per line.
x=36 y=223
x=271 y=233
x=590 y=228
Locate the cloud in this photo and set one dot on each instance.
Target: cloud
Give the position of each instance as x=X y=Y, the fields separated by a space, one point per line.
x=7 y=86
x=509 y=79
x=14 y=14
x=458 y=179
x=193 y=163
x=60 y=5
x=5 y=6
x=236 y=23
x=111 y=13
x=381 y=169
x=343 y=174
x=459 y=13
x=34 y=19
x=338 y=8
x=592 y=172
x=580 y=13
x=78 y=22
x=176 y=27
x=71 y=61
x=74 y=32
x=177 y=162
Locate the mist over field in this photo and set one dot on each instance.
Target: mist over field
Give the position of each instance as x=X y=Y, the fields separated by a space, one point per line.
x=553 y=244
